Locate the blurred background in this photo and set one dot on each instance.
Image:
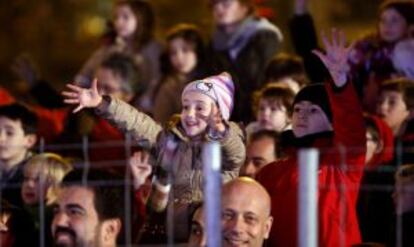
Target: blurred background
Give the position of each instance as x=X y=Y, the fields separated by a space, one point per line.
x=59 y=35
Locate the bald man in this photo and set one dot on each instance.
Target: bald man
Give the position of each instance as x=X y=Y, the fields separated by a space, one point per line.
x=246 y=216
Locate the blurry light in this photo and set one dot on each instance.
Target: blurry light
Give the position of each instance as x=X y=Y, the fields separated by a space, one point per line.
x=93 y=26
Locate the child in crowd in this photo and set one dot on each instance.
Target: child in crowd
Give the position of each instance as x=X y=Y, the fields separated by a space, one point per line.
x=395 y=103
x=184 y=62
x=374 y=205
x=42 y=176
x=206 y=108
x=18 y=127
x=131 y=31
x=287 y=69
x=396 y=109
x=327 y=117
x=371 y=59
x=274 y=109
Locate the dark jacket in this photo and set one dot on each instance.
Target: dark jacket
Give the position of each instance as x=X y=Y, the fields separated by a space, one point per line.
x=245 y=59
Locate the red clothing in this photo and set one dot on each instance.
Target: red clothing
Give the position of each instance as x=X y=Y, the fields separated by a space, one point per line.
x=5 y=97
x=50 y=121
x=108 y=146
x=342 y=156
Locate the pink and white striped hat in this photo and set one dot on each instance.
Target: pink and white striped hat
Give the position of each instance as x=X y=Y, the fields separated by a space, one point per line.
x=219 y=87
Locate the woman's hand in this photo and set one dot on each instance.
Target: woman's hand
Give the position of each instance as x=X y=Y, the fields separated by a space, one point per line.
x=140 y=168
x=84 y=97
x=336 y=56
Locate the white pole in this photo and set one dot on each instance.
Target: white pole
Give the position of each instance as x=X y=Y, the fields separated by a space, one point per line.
x=308 y=203
x=212 y=192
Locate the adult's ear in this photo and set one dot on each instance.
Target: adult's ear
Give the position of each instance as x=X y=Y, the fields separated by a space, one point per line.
x=110 y=230
x=268 y=227
x=30 y=140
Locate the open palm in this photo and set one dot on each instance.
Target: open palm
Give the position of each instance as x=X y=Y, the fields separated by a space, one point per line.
x=140 y=168
x=336 y=56
x=83 y=97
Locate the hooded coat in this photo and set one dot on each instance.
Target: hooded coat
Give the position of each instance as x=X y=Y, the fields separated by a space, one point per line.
x=342 y=156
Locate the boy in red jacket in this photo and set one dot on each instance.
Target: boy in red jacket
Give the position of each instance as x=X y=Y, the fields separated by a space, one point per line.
x=327 y=117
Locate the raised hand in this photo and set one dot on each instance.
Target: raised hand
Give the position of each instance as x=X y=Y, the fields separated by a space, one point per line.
x=140 y=168
x=336 y=56
x=215 y=120
x=84 y=97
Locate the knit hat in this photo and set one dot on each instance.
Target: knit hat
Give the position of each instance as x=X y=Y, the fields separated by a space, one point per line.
x=220 y=88
x=316 y=94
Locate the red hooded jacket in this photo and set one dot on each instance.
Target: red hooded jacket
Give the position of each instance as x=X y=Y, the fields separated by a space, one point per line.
x=342 y=156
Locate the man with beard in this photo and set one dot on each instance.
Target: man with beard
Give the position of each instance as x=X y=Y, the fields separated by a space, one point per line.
x=246 y=219
x=88 y=210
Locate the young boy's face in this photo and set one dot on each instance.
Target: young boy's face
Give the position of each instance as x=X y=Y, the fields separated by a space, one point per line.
x=196 y=112
x=392 y=109
x=272 y=115
x=309 y=118
x=31 y=187
x=14 y=143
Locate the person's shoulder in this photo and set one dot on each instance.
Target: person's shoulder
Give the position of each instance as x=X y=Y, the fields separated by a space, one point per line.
x=269 y=172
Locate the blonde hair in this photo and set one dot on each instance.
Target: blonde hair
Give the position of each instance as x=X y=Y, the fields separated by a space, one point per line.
x=51 y=168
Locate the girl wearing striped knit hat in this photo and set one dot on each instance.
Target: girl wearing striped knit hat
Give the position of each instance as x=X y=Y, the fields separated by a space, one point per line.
x=206 y=108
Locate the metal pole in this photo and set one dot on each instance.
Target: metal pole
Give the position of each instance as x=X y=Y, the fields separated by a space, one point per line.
x=212 y=192
x=308 y=203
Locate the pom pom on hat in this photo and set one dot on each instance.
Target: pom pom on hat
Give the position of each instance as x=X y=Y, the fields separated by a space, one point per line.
x=316 y=94
x=220 y=88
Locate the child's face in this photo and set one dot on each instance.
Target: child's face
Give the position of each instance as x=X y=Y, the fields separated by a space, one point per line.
x=196 y=112
x=392 y=109
x=31 y=188
x=228 y=12
x=125 y=21
x=392 y=26
x=373 y=147
x=309 y=118
x=272 y=115
x=182 y=56
x=14 y=143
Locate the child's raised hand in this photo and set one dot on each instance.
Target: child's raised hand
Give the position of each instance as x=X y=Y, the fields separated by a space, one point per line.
x=140 y=168
x=85 y=97
x=336 y=56
x=215 y=120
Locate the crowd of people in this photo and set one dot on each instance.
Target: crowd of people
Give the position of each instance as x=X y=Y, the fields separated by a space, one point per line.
x=116 y=158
